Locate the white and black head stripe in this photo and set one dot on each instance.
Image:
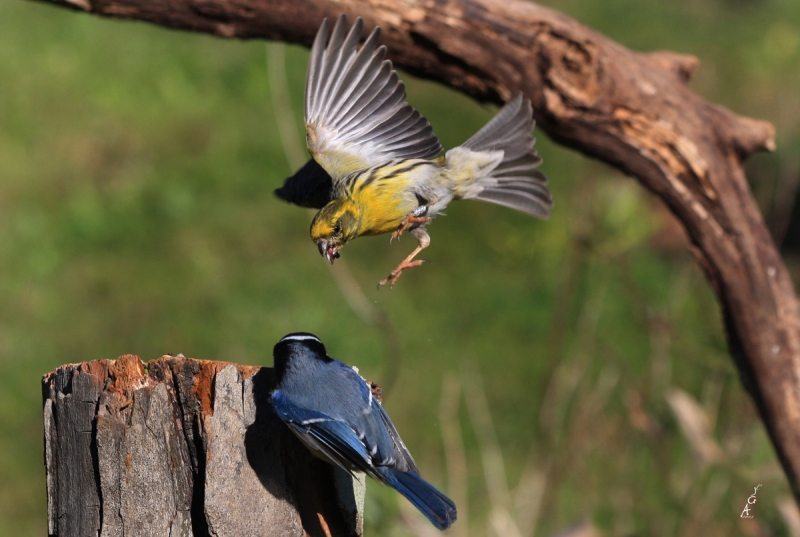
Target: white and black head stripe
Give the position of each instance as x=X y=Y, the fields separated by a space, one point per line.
x=300 y=337
x=298 y=345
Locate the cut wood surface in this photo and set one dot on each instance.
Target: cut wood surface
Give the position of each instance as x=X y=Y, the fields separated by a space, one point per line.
x=632 y=110
x=183 y=448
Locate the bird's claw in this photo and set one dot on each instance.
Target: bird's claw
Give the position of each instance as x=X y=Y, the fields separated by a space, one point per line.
x=391 y=279
x=409 y=220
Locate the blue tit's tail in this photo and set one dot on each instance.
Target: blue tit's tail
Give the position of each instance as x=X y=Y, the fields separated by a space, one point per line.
x=509 y=178
x=439 y=509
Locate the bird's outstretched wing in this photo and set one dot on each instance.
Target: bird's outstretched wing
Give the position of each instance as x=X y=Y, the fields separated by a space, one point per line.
x=355 y=106
x=310 y=187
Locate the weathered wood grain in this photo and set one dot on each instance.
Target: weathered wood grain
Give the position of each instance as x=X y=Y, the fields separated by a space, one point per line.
x=182 y=448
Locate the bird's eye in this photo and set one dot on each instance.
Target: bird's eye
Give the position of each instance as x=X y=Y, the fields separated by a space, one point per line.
x=337 y=227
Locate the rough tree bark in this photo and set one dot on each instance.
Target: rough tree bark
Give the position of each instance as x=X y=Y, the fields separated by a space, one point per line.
x=183 y=448
x=629 y=109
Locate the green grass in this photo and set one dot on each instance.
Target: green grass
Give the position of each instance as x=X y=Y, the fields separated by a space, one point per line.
x=136 y=216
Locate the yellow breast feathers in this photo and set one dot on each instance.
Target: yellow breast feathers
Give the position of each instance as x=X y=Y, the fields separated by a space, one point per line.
x=386 y=194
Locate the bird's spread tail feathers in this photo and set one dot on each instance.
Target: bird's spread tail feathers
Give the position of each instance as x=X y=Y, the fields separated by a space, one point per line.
x=501 y=161
x=439 y=509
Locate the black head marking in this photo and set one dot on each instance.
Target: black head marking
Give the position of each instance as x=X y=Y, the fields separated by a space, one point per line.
x=293 y=343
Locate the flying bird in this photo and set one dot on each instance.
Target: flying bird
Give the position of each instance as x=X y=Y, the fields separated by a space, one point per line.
x=377 y=166
x=331 y=409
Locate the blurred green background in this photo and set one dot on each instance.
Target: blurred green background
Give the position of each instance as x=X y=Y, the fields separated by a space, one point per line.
x=136 y=216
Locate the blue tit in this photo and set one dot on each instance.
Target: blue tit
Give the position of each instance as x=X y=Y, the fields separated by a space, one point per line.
x=331 y=409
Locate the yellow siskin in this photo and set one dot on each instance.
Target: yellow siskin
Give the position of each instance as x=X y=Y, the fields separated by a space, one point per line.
x=377 y=166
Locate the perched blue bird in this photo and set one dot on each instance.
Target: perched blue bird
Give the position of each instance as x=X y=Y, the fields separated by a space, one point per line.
x=330 y=408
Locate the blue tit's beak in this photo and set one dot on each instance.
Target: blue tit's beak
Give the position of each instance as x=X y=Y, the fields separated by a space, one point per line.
x=327 y=250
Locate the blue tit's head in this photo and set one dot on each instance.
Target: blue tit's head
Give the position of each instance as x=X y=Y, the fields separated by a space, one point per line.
x=333 y=226
x=298 y=345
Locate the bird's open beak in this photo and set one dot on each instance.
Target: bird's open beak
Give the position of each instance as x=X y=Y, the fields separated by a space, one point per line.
x=328 y=251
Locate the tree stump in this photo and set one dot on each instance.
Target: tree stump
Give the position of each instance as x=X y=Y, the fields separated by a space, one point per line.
x=183 y=447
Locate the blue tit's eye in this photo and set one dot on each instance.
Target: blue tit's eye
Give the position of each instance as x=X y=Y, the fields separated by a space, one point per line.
x=337 y=227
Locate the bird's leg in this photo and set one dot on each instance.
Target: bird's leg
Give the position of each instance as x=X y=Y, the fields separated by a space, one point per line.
x=417 y=216
x=407 y=263
x=407 y=222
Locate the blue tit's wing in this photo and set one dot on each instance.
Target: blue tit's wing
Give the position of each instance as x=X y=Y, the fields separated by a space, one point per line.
x=310 y=187
x=403 y=460
x=330 y=437
x=373 y=426
x=355 y=106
